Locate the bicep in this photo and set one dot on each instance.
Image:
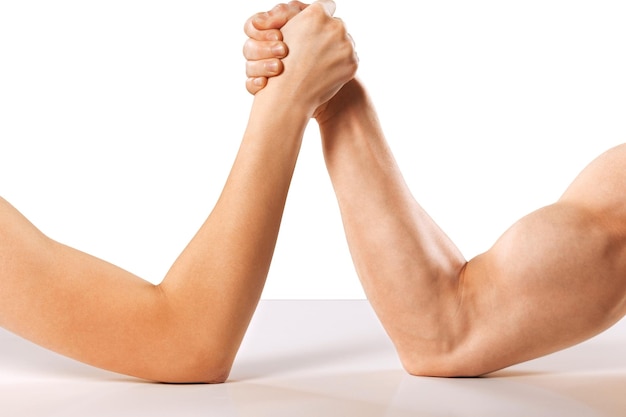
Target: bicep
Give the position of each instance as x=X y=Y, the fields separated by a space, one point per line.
x=552 y=280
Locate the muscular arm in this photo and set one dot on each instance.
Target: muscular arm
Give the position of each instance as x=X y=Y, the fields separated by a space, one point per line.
x=188 y=328
x=555 y=278
x=408 y=267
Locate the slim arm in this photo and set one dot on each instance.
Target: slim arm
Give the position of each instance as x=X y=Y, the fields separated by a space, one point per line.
x=188 y=328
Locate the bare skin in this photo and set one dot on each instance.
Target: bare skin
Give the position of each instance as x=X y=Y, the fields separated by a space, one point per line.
x=189 y=327
x=554 y=279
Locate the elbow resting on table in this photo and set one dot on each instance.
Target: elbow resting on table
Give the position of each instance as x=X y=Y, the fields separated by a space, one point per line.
x=443 y=366
x=449 y=360
x=189 y=370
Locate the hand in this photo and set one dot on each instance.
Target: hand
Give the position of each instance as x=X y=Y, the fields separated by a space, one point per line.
x=321 y=57
x=264 y=49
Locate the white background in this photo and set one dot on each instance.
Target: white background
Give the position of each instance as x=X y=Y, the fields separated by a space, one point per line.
x=119 y=120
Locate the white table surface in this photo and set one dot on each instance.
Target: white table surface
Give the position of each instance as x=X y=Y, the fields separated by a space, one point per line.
x=321 y=358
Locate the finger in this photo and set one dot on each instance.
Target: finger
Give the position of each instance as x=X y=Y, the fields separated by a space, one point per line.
x=328 y=5
x=301 y=6
x=261 y=34
x=264 y=68
x=254 y=50
x=278 y=16
x=356 y=56
x=255 y=84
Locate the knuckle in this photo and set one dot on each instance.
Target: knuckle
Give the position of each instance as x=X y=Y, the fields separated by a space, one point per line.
x=279 y=9
x=250 y=66
x=317 y=11
x=355 y=67
x=249 y=86
x=272 y=34
x=246 y=26
x=338 y=25
x=247 y=46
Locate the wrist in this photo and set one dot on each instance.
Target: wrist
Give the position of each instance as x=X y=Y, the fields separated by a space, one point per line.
x=347 y=104
x=277 y=103
x=282 y=93
x=278 y=120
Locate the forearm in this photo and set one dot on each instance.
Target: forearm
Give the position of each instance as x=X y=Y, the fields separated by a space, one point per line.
x=403 y=259
x=187 y=329
x=223 y=269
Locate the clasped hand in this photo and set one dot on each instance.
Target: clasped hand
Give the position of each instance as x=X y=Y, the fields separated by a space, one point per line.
x=307 y=46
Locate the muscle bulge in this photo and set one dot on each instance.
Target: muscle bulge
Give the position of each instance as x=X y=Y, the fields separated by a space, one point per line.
x=556 y=277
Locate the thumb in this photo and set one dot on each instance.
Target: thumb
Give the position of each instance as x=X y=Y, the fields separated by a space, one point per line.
x=328 y=5
x=278 y=16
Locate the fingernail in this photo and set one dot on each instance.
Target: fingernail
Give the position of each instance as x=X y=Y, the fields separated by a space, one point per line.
x=278 y=49
x=259 y=82
x=272 y=66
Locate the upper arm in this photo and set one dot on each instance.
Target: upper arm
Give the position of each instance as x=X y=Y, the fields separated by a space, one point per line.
x=601 y=187
x=41 y=278
x=74 y=303
x=556 y=277
x=95 y=312
x=24 y=254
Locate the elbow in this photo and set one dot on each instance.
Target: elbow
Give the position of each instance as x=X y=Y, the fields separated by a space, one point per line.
x=448 y=361
x=185 y=367
x=198 y=373
x=443 y=366
x=211 y=372
x=206 y=374
x=206 y=366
